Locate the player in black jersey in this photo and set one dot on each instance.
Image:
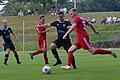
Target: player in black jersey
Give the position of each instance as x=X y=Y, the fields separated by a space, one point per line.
x=5 y=32
x=62 y=26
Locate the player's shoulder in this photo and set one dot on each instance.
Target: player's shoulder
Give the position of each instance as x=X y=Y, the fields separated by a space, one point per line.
x=1 y=28
x=66 y=20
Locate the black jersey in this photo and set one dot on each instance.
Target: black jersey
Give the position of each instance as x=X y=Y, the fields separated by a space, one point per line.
x=61 y=27
x=5 y=33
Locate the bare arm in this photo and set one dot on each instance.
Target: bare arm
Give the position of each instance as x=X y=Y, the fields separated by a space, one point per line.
x=40 y=32
x=14 y=35
x=92 y=27
x=70 y=30
x=1 y=40
x=45 y=25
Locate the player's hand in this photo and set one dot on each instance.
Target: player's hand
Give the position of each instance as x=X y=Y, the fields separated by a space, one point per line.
x=68 y=27
x=64 y=37
x=97 y=33
x=3 y=42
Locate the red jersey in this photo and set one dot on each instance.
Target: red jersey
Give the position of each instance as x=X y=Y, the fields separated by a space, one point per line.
x=80 y=29
x=82 y=36
x=42 y=35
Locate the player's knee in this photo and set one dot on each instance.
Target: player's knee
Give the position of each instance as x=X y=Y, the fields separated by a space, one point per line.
x=7 y=51
x=92 y=51
x=44 y=50
x=53 y=46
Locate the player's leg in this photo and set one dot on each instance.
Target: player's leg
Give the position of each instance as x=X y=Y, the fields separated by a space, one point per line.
x=70 y=56
x=45 y=56
x=7 y=52
x=53 y=46
x=67 y=44
x=102 y=52
x=87 y=45
x=16 y=56
x=42 y=44
x=12 y=47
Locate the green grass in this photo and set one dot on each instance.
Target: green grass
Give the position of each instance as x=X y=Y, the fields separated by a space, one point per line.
x=90 y=67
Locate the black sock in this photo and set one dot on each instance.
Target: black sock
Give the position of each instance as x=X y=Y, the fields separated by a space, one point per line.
x=55 y=53
x=17 y=57
x=6 y=58
x=73 y=63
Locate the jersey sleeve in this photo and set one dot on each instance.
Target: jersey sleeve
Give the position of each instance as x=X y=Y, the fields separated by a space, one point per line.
x=10 y=30
x=69 y=23
x=53 y=23
x=76 y=20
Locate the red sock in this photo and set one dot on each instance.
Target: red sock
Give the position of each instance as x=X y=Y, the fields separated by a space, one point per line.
x=46 y=59
x=70 y=57
x=37 y=52
x=100 y=51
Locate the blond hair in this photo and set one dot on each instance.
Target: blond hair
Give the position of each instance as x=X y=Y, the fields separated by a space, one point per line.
x=4 y=21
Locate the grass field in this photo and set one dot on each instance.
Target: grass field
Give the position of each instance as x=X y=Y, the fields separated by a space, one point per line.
x=90 y=67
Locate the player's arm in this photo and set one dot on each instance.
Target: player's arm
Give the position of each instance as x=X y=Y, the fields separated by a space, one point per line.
x=70 y=30
x=93 y=28
x=14 y=35
x=1 y=40
x=48 y=25
x=40 y=32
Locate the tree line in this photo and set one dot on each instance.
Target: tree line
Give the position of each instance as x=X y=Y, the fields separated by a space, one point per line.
x=43 y=6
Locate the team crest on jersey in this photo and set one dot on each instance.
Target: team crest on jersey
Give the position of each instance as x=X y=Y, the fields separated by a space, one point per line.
x=4 y=32
x=64 y=25
x=57 y=24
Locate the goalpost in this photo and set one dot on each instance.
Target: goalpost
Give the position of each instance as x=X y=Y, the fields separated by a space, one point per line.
x=23 y=25
x=75 y=2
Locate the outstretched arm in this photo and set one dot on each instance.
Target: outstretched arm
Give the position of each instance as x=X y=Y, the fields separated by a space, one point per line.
x=40 y=32
x=70 y=30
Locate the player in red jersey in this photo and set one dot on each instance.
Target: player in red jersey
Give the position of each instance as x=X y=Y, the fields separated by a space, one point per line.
x=41 y=39
x=82 y=41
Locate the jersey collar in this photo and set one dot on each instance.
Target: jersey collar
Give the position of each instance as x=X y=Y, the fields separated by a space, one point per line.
x=5 y=28
x=60 y=21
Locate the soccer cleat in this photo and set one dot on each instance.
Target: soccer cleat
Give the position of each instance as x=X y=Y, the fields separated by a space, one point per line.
x=114 y=55
x=18 y=62
x=66 y=67
x=74 y=66
x=46 y=62
x=31 y=56
x=57 y=63
x=5 y=64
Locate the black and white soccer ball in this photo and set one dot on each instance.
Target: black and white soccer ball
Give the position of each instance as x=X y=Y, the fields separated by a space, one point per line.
x=46 y=69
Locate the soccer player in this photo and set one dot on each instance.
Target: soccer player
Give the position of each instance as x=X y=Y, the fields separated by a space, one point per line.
x=82 y=41
x=5 y=32
x=41 y=31
x=62 y=26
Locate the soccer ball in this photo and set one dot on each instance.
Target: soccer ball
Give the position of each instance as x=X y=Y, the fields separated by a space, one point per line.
x=46 y=69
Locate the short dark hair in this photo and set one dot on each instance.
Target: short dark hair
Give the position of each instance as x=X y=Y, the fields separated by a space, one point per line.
x=60 y=12
x=42 y=16
x=73 y=9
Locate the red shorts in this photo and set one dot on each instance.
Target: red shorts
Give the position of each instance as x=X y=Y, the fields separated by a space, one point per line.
x=83 y=42
x=42 y=43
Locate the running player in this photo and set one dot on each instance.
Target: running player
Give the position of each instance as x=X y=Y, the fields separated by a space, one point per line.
x=41 y=31
x=62 y=26
x=82 y=41
x=5 y=32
